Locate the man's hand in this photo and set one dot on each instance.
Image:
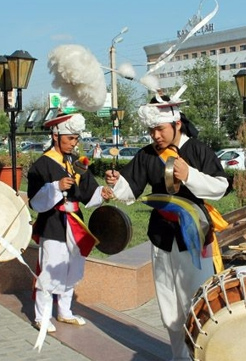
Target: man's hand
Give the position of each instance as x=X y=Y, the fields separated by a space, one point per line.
x=107 y=193
x=111 y=177
x=180 y=169
x=66 y=183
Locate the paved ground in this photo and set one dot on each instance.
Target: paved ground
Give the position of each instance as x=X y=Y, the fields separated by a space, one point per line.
x=148 y=313
x=135 y=335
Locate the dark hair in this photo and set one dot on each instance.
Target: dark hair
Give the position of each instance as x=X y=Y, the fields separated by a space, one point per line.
x=166 y=98
x=190 y=129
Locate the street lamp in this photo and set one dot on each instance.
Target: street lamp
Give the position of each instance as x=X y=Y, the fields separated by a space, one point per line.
x=114 y=96
x=15 y=73
x=240 y=79
x=117 y=115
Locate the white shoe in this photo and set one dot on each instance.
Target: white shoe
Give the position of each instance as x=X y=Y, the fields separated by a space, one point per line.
x=74 y=320
x=51 y=328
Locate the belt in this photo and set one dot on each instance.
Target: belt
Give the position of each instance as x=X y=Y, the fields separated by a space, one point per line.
x=68 y=207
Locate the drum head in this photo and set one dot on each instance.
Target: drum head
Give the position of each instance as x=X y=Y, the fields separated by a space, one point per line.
x=112 y=227
x=15 y=225
x=225 y=339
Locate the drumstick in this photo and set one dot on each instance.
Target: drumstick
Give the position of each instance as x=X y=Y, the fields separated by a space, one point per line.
x=114 y=152
x=11 y=224
x=240 y=247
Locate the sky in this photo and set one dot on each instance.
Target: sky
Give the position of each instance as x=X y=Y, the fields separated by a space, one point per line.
x=39 y=26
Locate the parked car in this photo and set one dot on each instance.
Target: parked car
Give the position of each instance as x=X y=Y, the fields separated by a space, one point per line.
x=145 y=139
x=232 y=158
x=34 y=147
x=124 y=153
x=24 y=143
x=89 y=142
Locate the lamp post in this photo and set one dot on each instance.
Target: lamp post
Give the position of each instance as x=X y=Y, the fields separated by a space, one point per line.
x=15 y=73
x=240 y=79
x=114 y=95
x=117 y=115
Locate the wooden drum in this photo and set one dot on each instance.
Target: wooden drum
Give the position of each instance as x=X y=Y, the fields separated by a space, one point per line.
x=216 y=324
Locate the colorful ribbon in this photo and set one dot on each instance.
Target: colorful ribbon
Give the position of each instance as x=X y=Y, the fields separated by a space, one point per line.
x=189 y=222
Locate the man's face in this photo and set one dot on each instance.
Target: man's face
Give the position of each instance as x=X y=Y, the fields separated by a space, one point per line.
x=66 y=143
x=163 y=135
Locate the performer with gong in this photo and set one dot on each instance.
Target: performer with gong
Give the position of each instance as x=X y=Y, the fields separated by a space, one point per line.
x=57 y=182
x=180 y=226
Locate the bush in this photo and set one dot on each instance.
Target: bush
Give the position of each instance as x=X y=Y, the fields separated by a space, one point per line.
x=99 y=166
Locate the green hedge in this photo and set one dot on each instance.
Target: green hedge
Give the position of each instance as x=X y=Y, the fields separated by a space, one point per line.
x=99 y=166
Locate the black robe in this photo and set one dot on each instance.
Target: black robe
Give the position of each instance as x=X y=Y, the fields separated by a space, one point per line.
x=147 y=168
x=52 y=224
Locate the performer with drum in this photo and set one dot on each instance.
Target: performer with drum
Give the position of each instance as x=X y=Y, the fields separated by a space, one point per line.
x=54 y=191
x=177 y=255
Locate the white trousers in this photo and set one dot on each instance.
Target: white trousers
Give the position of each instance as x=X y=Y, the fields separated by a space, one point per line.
x=60 y=271
x=176 y=281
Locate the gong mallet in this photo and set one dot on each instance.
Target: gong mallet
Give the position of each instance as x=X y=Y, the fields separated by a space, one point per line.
x=114 y=152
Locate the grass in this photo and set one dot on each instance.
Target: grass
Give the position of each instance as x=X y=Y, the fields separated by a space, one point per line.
x=139 y=214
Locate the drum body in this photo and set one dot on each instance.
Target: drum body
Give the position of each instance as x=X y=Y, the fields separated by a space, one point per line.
x=216 y=324
x=15 y=224
x=112 y=227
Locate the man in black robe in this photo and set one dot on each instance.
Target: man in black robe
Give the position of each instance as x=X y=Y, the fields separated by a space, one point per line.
x=178 y=268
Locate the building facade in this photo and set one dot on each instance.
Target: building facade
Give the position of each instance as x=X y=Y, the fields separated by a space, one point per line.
x=226 y=48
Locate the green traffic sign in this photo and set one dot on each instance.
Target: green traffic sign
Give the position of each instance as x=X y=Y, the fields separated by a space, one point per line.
x=55 y=101
x=104 y=112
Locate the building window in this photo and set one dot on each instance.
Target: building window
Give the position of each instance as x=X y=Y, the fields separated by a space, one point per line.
x=222 y=51
x=203 y=53
x=242 y=65
x=232 y=49
x=185 y=56
x=232 y=66
x=223 y=67
x=177 y=58
x=213 y=52
x=242 y=47
x=194 y=55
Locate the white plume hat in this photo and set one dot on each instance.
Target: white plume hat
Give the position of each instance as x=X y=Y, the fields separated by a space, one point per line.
x=161 y=109
x=153 y=115
x=67 y=124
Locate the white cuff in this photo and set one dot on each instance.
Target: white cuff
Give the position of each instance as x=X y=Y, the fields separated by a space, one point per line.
x=47 y=197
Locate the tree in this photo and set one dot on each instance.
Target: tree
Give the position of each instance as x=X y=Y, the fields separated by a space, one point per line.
x=202 y=94
x=4 y=125
x=129 y=100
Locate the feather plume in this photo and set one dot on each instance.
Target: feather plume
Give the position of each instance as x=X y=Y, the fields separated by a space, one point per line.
x=151 y=82
x=127 y=71
x=79 y=76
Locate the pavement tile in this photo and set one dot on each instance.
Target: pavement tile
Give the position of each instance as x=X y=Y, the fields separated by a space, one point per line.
x=109 y=335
